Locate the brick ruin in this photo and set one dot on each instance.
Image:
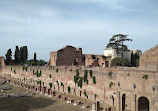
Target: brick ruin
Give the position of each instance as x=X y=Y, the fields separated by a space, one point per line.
x=125 y=88
x=71 y=56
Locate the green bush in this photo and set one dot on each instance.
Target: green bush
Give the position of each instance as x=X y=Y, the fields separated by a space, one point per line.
x=85 y=75
x=120 y=62
x=80 y=82
x=91 y=73
x=85 y=94
x=94 y=80
x=76 y=79
x=77 y=72
x=14 y=71
x=110 y=74
x=145 y=77
x=57 y=70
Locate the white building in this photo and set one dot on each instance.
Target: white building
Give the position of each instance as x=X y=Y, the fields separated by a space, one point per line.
x=126 y=54
x=113 y=53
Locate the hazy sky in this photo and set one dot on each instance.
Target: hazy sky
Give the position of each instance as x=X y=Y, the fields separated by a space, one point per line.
x=48 y=25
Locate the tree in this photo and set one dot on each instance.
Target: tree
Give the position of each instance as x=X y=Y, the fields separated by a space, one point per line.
x=35 y=57
x=117 y=42
x=25 y=53
x=17 y=55
x=135 y=59
x=21 y=54
x=8 y=57
x=120 y=62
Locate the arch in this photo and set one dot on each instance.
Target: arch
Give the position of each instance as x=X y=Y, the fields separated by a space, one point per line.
x=143 y=104
x=123 y=102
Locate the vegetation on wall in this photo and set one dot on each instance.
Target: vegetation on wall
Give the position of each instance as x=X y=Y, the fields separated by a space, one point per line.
x=80 y=82
x=85 y=75
x=14 y=71
x=94 y=80
x=85 y=94
x=57 y=70
x=77 y=72
x=110 y=74
x=145 y=77
x=111 y=84
x=39 y=82
x=24 y=68
x=91 y=73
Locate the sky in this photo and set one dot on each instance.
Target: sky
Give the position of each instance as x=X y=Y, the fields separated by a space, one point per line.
x=48 y=25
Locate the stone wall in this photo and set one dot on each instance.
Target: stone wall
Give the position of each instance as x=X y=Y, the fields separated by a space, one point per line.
x=149 y=59
x=111 y=83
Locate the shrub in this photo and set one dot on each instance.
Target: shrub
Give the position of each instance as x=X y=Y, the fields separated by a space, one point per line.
x=120 y=62
x=94 y=80
x=145 y=77
x=91 y=73
x=80 y=83
x=110 y=74
x=76 y=79
x=111 y=84
x=85 y=94
x=77 y=72
x=87 y=82
x=57 y=82
x=39 y=82
x=85 y=75
x=57 y=70
x=14 y=71
x=70 y=70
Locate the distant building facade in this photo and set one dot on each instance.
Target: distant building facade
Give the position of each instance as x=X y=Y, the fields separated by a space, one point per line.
x=126 y=54
x=97 y=60
x=71 y=56
x=66 y=56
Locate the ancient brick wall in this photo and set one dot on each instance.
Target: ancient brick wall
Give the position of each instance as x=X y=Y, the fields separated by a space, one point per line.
x=111 y=83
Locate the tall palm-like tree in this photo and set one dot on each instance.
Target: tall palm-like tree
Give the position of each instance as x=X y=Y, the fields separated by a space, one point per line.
x=117 y=42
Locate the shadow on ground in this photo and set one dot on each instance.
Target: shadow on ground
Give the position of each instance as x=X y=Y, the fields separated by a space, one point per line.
x=25 y=103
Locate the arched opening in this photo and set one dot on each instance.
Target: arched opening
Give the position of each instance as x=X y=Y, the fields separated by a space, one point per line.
x=80 y=93
x=113 y=101
x=106 y=63
x=143 y=104
x=123 y=102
